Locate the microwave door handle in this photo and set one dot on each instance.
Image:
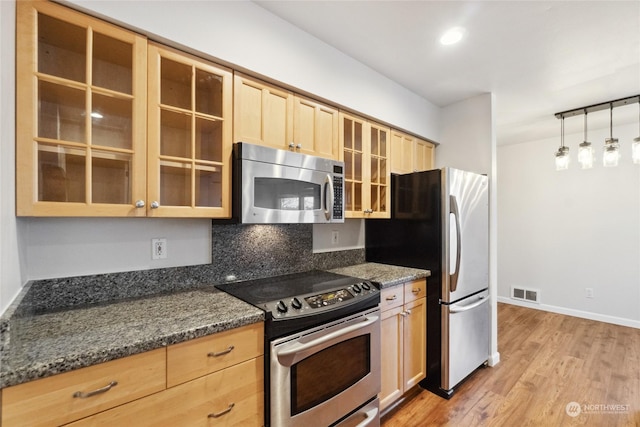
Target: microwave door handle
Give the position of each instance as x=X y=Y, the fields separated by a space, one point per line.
x=328 y=201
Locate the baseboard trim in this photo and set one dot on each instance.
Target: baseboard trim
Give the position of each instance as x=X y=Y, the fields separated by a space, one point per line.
x=575 y=313
x=494 y=359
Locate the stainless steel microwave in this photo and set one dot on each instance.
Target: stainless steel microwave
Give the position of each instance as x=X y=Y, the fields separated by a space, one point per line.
x=273 y=186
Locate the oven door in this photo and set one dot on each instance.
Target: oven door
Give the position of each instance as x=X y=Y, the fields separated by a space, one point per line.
x=322 y=375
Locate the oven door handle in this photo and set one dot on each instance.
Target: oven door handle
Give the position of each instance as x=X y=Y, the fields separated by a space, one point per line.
x=299 y=347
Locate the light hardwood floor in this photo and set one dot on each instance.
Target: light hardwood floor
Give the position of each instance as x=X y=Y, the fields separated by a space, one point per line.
x=547 y=361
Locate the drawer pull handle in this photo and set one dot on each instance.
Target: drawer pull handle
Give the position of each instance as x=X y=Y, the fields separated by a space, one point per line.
x=416 y=290
x=221 y=353
x=393 y=298
x=221 y=413
x=83 y=395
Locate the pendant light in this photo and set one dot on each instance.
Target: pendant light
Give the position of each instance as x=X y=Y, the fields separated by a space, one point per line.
x=585 y=149
x=562 y=155
x=611 y=154
x=635 y=146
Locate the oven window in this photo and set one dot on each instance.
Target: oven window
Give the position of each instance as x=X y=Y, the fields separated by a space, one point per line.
x=286 y=194
x=323 y=375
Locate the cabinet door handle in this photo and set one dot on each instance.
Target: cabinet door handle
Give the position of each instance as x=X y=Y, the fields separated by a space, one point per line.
x=221 y=413
x=299 y=146
x=221 y=353
x=292 y=145
x=155 y=205
x=416 y=290
x=392 y=298
x=84 y=395
x=139 y=203
x=408 y=312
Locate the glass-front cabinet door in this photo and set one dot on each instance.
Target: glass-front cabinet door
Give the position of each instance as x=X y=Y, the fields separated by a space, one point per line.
x=365 y=153
x=189 y=154
x=81 y=114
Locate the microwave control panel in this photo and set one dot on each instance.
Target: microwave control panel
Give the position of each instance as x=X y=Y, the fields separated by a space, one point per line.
x=338 y=187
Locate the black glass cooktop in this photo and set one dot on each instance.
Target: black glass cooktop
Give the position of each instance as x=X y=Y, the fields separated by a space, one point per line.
x=261 y=291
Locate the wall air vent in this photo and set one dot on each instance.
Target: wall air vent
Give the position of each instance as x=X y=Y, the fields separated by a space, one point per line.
x=524 y=294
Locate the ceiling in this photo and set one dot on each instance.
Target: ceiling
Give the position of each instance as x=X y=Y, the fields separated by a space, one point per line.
x=537 y=57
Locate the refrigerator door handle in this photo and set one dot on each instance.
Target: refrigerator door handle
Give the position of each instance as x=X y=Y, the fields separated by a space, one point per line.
x=460 y=309
x=453 y=209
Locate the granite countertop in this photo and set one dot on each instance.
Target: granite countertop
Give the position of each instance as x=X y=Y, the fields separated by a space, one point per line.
x=47 y=344
x=386 y=275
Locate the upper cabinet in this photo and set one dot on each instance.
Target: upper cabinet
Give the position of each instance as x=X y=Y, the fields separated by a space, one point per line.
x=84 y=146
x=410 y=154
x=189 y=153
x=265 y=114
x=365 y=152
x=81 y=114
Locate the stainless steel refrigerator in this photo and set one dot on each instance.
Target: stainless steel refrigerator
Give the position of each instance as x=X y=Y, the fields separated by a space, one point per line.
x=440 y=222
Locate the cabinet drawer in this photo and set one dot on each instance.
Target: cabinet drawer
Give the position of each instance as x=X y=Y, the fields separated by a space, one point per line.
x=415 y=290
x=52 y=401
x=391 y=297
x=230 y=397
x=202 y=356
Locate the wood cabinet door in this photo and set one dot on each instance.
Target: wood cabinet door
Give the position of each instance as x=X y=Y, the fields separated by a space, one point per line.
x=424 y=155
x=415 y=339
x=354 y=155
x=80 y=114
x=189 y=148
x=402 y=152
x=391 y=343
x=315 y=129
x=263 y=113
x=230 y=397
x=379 y=145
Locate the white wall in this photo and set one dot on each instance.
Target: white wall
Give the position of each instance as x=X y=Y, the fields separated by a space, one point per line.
x=239 y=33
x=350 y=236
x=564 y=231
x=10 y=269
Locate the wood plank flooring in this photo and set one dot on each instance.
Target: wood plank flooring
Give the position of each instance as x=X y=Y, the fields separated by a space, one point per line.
x=547 y=361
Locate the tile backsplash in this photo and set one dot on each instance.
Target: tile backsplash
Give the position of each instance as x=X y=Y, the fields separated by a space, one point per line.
x=240 y=250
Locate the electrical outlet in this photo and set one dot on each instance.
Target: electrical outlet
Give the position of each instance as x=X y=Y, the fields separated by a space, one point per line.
x=334 y=237
x=158 y=248
x=588 y=292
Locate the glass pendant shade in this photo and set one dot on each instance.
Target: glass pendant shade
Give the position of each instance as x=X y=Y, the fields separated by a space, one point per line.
x=586 y=155
x=635 y=150
x=562 y=158
x=611 y=154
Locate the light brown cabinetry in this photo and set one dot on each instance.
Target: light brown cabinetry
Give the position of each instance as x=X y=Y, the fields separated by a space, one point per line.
x=84 y=146
x=403 y=343
x=189 y=155
x=81 y=114
x=63 y=398
x=410 y=154
x=364 y=148
x=214 y=379
x=267 y=115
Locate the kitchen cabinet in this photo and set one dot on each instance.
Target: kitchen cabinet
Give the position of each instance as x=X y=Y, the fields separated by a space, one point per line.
x=364 y=148
x=410 y=154
x=66 y=397
x=103 y=132
x=80 y=114
x=189 y=152
x=267 y=115
x=403 y=340
x=217 y=378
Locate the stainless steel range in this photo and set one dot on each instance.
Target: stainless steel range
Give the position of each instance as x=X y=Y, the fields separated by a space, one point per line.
x=322 y=347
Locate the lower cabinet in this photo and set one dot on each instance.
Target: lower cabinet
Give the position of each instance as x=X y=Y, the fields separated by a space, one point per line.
x=213 y=380
x=403 y=342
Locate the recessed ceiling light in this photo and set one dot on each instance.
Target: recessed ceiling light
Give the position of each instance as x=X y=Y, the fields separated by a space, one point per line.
x=452 y=36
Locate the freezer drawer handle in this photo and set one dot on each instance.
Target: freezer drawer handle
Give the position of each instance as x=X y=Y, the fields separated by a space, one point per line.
x=460 y=309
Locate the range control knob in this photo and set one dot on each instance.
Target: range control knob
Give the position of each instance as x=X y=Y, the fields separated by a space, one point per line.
x=281 y=307
x=295 y=303
x=356 y=288
x=366 y=286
